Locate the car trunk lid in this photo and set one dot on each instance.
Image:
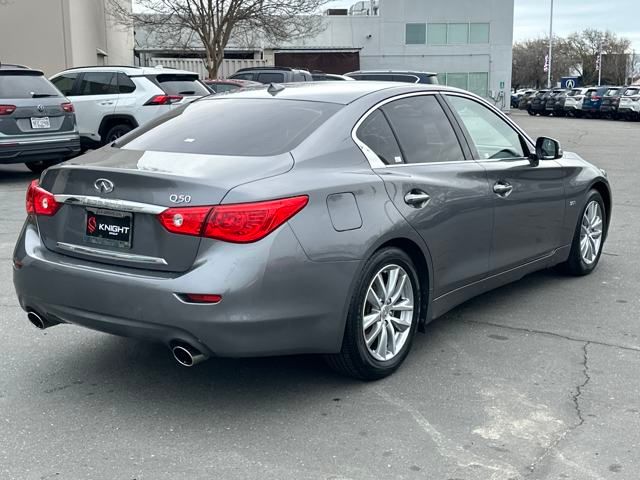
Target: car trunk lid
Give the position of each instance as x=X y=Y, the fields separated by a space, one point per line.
x=125 y=190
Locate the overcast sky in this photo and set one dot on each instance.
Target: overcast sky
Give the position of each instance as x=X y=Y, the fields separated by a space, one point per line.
x=532 y=17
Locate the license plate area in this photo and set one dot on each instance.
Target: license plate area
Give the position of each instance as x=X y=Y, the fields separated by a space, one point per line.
x=108 y=228
x=38 y=123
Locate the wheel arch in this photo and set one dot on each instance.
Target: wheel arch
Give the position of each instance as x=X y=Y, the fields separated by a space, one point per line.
x=605 y=192
x=110 y=121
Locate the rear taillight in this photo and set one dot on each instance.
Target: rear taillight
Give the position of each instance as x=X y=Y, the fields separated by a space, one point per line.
x=68 y=107
x=41 y=202
x=239 y=223
x=164 y=99
x=7 y=109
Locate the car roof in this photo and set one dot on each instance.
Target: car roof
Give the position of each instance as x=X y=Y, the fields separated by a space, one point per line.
x=332 y=92
x=129 y=70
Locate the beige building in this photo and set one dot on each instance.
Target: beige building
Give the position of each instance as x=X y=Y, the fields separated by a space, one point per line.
x=52 y=35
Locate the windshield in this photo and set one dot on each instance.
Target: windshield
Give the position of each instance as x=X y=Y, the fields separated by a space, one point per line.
x=26 y=86
x=611 y=92
x=632 y=91
x=239 y=127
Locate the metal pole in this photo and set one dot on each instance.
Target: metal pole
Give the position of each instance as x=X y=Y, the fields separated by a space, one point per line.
x=550 y=47
x=600 y=65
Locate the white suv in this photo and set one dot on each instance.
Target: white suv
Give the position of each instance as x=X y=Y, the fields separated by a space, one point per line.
x=112 y=100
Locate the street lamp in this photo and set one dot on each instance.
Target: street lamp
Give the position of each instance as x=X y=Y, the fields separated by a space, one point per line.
x=550 y=48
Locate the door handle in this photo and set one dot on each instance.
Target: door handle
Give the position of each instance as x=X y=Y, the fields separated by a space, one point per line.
x=503 y=189
x=417 y=198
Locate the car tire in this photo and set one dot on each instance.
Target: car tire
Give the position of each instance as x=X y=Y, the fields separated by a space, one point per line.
x=531 y=112
x=116 y=132
x=41 y=165
x=580 y=263
x=363 y=360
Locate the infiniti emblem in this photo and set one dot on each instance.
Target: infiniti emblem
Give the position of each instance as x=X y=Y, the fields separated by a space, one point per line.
x=103 y=185
x=40 y=108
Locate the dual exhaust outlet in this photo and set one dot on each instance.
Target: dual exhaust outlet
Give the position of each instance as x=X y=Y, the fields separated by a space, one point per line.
x=185 y=354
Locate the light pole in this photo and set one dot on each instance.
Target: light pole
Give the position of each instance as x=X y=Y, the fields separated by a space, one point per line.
x=550 y=48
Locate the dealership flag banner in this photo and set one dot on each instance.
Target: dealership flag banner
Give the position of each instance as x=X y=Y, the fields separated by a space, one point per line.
x=546 y=63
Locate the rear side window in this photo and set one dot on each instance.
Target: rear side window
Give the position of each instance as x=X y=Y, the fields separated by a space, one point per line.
x=224 y=87
x=65 y=83
x=270 y=77
x=423 y=130
x=99 y=83
x=125 y=84
x=243 y=76
x=176 y=84
x=26 y=86
x=376 y=134
x=238 y=127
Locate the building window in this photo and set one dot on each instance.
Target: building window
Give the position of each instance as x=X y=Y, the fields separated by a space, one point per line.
x=416 y=33
x=479 y=33
x=458 y=80
x=479 y=83
x=437 y=34
x=457 y=33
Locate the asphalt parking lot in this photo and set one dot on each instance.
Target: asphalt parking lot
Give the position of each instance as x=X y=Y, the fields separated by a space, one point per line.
x=537 y=380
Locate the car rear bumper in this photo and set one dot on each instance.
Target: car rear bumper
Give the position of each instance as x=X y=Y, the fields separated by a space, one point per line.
x=275 y=300
x=27 y=149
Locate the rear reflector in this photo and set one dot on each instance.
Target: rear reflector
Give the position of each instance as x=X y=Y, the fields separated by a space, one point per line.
x=40 y=202
x=67 y=107
x=7 y=109
x=164 y=99
x=201 y=298
x=239 y=223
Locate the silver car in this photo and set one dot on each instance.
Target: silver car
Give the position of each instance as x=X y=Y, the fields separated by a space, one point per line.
x=334 y=218
x=37 y=123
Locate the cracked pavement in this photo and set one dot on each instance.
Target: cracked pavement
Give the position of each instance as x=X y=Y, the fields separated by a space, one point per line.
x=537 y=380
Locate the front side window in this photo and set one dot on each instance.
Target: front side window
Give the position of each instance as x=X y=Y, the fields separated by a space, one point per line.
x=491 y=135
x=99 y=83
x=376 y=134
x=423 y=130
x=65 y=83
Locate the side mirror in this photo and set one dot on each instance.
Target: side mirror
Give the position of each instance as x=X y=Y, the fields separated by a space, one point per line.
x=548 y=149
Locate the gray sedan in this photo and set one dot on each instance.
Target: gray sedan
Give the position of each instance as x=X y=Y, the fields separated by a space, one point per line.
x=335 y=218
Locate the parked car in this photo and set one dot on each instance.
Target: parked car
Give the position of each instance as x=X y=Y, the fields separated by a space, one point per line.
x=573 y=101
x=37 y=123
x=329 y=77
x=268 y=75
x=273 y=235
x=611 y=102
x=555 y=102
x=395 y=76
x=629 y=107
x=526 y=99
x=228 y=85
x=593 y=101
x=538 y=103
x=110 y=101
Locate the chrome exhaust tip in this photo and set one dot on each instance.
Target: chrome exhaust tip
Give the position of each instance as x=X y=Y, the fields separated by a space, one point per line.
x=37 y=321
x=187 y=356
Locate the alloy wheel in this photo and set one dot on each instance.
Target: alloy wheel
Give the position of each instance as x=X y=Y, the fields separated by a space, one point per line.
x=387 y=314
x=591 y=233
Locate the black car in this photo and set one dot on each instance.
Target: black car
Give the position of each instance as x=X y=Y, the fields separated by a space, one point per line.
x=555 y=102
x=37 y=123
x=268 y=75
x=538 y=103
x=525 y=99
x=611 y=102
x=395 y=76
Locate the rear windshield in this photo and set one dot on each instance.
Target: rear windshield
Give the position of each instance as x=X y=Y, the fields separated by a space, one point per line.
x=176 y=84
x=26 y=86
x=239 y=127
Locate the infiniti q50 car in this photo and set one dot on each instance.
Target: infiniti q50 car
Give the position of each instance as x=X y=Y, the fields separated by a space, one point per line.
x=335 y=218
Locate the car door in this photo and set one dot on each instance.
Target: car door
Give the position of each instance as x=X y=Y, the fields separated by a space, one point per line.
x=95 y=98
x=430 y=179
x=529 y=196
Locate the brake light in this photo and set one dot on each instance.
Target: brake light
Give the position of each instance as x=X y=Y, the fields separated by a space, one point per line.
x=68 y=107
x=164 y=99
x=40 y=202
x=202 y=298
x=7 y=109
x=238 y=223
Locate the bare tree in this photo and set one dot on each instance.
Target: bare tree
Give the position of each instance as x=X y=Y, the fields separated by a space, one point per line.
x=210 y=24
x=586 y=47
